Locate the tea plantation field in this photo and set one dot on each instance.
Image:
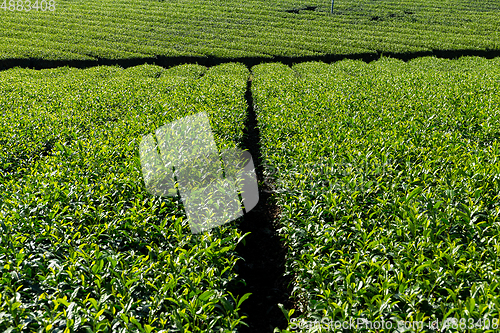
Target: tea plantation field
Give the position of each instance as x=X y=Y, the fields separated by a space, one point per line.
x=388 y=176
x=83 y=246
x=379 y=179
x=151 y=29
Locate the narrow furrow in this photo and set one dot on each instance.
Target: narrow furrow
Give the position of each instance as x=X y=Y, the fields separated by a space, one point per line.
x=263 y=252
x=209 y=61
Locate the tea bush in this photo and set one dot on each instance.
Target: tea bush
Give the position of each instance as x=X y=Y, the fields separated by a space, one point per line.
x=83 y=246
x=387 y=175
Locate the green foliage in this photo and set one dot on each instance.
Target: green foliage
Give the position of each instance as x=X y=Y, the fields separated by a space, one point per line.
x=83 y=246
x=253 y=28
x=388 y=176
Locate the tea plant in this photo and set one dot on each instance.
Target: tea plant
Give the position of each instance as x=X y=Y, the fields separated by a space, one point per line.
x=146 y=29
x=388 y=178
x=83 y=246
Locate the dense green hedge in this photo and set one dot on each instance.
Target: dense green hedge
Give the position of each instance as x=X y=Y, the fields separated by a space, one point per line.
x=83 y=246
x=388 y=176
x=254 y=28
